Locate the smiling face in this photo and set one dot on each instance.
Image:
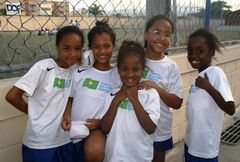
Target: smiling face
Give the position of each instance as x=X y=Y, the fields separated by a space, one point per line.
x=69 y=50
x=158 y=38
x=199 y=55
x=102 y=47
x=130 y=70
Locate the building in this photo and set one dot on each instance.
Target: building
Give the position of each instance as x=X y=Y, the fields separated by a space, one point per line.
x=35 y=7
x=60 y=8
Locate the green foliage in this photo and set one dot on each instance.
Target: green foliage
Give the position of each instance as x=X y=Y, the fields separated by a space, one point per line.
x=220 y=9
x=2 y=11
x=95 y=10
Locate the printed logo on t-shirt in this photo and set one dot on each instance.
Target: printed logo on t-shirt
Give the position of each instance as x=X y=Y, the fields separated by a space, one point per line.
x=97 y=85
x=49 y=69
x=61 y=83
x=125 y=104
x=193 y=89
x=149 y=75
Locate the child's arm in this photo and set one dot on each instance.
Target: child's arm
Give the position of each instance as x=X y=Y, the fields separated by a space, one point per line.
x=204 y=83
x=145 y=121
x=66 y=123
x=107 y=120
x=15 y=98
x=169 y=99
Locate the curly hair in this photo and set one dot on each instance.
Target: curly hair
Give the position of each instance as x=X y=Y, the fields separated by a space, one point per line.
x=131 y=47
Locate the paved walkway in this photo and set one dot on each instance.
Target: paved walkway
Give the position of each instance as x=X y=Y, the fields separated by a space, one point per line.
x=227 y=154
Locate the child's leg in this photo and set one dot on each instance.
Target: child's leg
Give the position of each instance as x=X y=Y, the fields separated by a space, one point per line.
x=159 y=156
x=190 y=158
x=94 y=146
x=160 y=149
x=62 y=153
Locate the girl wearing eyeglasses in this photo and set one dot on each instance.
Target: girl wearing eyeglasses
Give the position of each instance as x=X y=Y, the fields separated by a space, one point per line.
x=163 y=75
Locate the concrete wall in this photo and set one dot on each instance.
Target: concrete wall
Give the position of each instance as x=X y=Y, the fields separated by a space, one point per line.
x=12 y=122
x=12 y=125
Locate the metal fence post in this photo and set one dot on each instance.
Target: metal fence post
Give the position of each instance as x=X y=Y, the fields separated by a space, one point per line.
x=174 y=19
x=207 y=14
x=155 y=7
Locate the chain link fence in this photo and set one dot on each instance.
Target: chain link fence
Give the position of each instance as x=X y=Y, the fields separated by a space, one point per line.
x=28 y=27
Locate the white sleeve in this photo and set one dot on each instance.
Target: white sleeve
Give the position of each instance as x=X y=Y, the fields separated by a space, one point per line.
x=221 y=84
x=32 y=79
x=175 y=82
x=153 y=105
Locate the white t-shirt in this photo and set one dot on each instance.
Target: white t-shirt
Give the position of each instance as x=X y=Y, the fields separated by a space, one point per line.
x=204 y=116
x=166 y=74
x=89 y=90
x=47 y=87
x=127 y=141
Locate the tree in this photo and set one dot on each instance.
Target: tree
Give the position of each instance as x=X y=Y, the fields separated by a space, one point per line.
x=95 y=10
x=218 y=10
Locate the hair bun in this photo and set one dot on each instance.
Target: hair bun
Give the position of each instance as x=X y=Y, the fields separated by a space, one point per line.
x=130 y=44
x=103 y=22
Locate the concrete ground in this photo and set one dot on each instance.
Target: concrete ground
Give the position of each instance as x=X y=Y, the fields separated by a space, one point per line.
x=227 y=153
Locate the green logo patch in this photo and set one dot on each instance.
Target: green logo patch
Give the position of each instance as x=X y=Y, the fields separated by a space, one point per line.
x=59 y=83
x=124 y=104
x=145 y=73
x=90 y=83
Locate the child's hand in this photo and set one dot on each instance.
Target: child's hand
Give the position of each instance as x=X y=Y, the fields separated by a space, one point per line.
x=92 y=123
x=66 y=123
x=121 y=95
x=147 y=84
x=203 y=82
x=132 y=93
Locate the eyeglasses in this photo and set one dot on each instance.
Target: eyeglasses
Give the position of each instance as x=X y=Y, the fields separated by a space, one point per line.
x=160 y=33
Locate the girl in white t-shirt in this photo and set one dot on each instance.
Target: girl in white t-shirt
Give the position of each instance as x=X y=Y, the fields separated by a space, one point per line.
x=209 y=97
x=133 y=114
x=86 y=102
x=47 y=86
x=162 y=74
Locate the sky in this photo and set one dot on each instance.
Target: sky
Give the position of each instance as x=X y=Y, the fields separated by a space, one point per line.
x=109 y=5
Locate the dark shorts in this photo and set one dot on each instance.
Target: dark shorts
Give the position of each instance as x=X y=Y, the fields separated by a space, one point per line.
x=79 y=151
x=163 y=146
x=63 y=153
x=190 y=158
